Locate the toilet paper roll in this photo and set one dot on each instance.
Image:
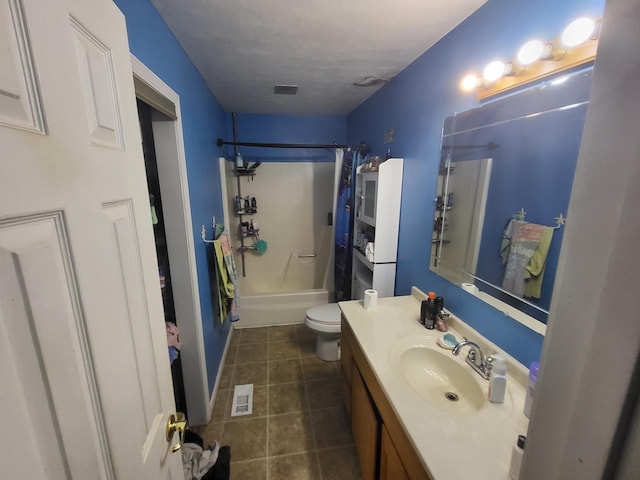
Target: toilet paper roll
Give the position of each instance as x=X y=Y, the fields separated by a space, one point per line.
x=470 y=288
x=370 y=299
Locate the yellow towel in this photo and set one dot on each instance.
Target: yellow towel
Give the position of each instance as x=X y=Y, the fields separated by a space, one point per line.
x=225 y=285
x=534 y=271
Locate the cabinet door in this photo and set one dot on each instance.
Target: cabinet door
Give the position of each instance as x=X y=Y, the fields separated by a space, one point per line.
x=369 y=197
x=391 y=467
x=346 y=362
x=364 y=425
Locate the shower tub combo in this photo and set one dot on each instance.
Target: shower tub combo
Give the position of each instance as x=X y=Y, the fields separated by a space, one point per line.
x=284 y=296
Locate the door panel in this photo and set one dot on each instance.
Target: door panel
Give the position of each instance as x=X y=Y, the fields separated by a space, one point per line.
x=46 y=358
x=83 y=339
x=19 y=99
x=95 y=69
x=121 y=216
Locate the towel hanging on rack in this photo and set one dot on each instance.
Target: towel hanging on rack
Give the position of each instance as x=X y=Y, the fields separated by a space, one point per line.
x=527 y=247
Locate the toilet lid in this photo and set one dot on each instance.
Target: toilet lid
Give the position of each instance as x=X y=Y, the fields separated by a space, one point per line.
x=328 y=313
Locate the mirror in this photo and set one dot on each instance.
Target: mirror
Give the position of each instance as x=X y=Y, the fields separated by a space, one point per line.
x=503 y=191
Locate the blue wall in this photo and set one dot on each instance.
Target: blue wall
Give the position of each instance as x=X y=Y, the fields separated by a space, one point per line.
x=308 y=129
x=415 y=103
x=151 y=41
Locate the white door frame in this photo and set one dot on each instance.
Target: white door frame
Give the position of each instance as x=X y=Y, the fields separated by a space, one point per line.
x=176 y=207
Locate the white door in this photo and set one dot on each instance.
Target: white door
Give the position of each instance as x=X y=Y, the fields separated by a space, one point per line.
x=85 y=386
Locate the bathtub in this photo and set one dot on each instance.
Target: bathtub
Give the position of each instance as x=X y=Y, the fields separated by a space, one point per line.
x=278 y=308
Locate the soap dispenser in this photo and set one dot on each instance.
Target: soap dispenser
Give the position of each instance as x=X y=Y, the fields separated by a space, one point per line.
x=498 y=382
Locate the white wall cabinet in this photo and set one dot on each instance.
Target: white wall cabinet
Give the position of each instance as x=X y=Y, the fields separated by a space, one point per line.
x=376 y=221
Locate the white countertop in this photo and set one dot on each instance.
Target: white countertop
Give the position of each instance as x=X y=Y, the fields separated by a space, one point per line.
x=451 y=447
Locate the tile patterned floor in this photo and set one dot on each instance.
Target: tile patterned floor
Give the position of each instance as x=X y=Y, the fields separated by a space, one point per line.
x=298 y=429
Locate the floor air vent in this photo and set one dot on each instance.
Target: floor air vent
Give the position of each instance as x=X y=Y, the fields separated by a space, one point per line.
x=242 y=400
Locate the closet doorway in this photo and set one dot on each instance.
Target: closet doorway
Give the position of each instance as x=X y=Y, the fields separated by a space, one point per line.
x=161 y=131
x=145 y=111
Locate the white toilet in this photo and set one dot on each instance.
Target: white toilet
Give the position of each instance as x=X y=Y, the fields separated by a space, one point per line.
x=325 y=321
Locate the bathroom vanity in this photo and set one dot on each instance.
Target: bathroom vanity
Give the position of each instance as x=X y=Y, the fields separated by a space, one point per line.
x=417 y=411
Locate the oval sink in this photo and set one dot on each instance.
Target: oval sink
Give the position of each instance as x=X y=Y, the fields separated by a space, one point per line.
x=442 y=381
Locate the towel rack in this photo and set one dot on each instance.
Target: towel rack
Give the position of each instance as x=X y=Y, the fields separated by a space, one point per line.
x=217 y=230
x=306 y=255
x=560 y=219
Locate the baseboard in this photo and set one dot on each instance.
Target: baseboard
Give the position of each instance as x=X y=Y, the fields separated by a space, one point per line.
x=223 y=360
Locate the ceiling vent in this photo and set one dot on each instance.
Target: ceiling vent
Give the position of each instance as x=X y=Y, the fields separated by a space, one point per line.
x=370 y=81
x=285 y=89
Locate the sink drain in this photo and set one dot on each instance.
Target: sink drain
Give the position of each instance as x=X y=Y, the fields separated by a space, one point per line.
x=453 y=397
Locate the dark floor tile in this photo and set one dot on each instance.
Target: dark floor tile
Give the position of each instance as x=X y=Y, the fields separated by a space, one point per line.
x=235 y=338
x=305 y=333
x=231 y=355
x=283 y=350
x=287 y=398
x=308 y=347
x=221 y=407
x=324 y=393
x=339 y=464
x=314 y=368
x=259 y=408
x=225 y=377
x=211 y=433
x=303 y=466
x=331 y=427
x=254 y=335
x=290 y=433
x=285 y=371
x=255 y=373
x=251 y=470
x=247 y=438
x=285 y=333
x=252 y=353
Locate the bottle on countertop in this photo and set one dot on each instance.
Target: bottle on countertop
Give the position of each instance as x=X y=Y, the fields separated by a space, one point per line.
x=498 y=381
x=531 y=389
x=428 y=311
x=516 y=458
x=441 y=316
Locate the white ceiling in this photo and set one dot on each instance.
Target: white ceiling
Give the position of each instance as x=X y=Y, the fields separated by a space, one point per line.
x=245 y=47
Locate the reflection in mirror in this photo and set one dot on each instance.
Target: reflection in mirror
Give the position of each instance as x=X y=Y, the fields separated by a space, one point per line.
x=503 y=191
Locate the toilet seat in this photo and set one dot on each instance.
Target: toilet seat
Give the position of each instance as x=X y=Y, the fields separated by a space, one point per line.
x=328 y=313
x=324 y=318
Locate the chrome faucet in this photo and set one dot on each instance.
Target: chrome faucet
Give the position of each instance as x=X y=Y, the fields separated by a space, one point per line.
x=475 y=358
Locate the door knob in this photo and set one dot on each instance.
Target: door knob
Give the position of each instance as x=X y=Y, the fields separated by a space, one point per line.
x=176 y=423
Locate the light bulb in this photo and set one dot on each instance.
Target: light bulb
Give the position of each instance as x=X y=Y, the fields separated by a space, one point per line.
x=578 y=32
x=469 y=83
x=530 y=52
x=494 y=71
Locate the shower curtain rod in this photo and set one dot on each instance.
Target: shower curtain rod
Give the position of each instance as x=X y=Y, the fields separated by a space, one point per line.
x=222 y=142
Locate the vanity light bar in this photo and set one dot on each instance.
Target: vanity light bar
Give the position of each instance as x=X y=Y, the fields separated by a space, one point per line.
x=535 y=60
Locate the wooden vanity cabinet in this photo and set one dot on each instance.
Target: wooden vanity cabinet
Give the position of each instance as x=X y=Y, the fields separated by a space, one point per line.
x=384 y=449
x=346 y=363
x=365 y=426
x=391 y=467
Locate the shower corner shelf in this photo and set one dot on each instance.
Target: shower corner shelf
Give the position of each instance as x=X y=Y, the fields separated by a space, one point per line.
x=246 y=172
